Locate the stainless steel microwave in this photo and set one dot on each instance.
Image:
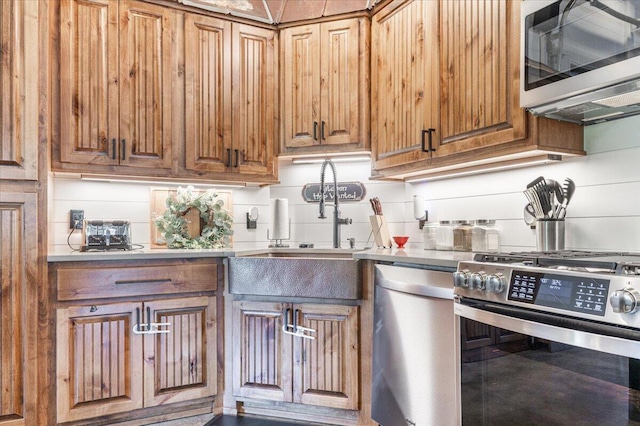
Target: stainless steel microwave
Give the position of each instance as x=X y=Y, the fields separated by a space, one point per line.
x=580 y=59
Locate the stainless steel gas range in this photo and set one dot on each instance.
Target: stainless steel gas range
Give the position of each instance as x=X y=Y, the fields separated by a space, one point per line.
x=549 y=337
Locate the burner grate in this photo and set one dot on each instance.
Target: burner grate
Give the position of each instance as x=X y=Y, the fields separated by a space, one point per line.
x=601 y=260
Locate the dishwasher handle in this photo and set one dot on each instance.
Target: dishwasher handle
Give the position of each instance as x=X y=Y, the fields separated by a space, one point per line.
x=421 y=282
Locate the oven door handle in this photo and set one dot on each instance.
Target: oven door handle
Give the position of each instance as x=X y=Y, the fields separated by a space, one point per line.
x=627 y=347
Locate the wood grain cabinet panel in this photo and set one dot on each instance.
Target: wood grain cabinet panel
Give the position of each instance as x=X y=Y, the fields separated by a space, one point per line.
x=115 y=86
x=207 y=93
x=98 y=361
x=131 y=338
x=262 y=353
x=19 y=103
x=181 y=365
x=104 y=367
x=230 y=100
x=254 y=100
x=18 y=308
x=404 y=82
x=272 y=365
x=324 y=86
x=479 y=75
x=445 y=93
x=326 y=368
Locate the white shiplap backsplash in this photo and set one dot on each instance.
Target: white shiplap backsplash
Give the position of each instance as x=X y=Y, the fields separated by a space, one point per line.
x=604 y=213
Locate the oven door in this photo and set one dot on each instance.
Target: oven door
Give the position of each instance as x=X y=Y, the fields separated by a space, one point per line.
x=527 y=372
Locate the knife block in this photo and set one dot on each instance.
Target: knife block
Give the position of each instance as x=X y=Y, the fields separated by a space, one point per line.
x=380 y=231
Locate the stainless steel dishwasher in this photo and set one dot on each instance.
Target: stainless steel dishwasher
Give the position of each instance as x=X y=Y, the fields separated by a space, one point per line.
x=414 y=361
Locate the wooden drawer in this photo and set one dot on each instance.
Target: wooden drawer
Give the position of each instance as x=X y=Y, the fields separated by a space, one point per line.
x=92 y=281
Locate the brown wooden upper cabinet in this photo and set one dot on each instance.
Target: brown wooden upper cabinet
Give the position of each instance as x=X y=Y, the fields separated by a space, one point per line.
x=18 y=141
x=445 y=88
x=115 y=83
x=324 y=100
x=230 y=99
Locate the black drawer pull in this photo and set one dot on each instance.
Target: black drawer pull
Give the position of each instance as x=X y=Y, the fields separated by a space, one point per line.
x=158 y=281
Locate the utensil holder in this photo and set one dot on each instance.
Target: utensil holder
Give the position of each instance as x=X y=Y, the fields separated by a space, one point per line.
x=380 y=231
x=550 y=234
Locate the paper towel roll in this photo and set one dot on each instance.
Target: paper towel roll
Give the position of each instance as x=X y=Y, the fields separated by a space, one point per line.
x=279 y=219
x=418 y=207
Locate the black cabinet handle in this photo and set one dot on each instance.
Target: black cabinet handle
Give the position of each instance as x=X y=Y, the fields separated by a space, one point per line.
x=315 y=130
x=124 y=149
x=431 y=148
x=237 y=151
x=322 y=132
x=285 y=322
x=229 y=157
x=113 y=149
x=138 y=318
x=295 y=320
x=424 y=141
x=148 y=318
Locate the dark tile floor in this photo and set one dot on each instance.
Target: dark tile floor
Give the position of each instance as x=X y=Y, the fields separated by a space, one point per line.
x=247 y=421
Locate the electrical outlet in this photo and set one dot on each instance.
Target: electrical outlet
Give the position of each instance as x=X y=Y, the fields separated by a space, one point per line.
x=75 y=219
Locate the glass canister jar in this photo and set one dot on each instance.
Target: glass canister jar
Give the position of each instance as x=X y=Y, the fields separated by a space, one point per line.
x=444 y=236
x=429 y=232
x=462 y=235
x=485 y=236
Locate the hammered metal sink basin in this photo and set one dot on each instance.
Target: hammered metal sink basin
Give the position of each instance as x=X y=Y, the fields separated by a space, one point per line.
x=327 y=275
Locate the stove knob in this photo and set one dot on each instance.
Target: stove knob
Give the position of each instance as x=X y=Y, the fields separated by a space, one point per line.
x=461 y=278
x=496 y=283
x=625 y=301
x=477 y=280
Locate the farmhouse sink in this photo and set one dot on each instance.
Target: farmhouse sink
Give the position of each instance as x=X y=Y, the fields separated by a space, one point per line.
x=314 y=273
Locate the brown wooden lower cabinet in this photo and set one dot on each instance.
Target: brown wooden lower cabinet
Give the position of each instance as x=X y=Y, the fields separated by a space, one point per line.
x=104 y=367
x=269 y=364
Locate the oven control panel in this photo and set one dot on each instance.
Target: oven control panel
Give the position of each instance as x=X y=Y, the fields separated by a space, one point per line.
x=578 y=294
x=608 y=298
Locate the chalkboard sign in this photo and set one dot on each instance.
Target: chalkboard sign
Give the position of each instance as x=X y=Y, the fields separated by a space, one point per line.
x=347 y=191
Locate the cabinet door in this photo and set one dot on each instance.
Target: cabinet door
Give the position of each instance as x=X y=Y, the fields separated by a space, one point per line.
x=325 y=369
x=19 y=104
x=208 y=93
x=99 y=361
x=254 y=100
x=301 y=91
x=145 y=86
x=480 y=73
x=261 y=352
x=89 y=81
x=339 y=80
x=18 y=307
x=180 y=365
x=404 y=82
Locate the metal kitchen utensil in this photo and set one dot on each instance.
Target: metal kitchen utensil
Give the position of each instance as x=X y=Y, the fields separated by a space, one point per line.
x=534 y=199
x=529 y=215
x=569 y=188
x=544 y=194
x=536 y=181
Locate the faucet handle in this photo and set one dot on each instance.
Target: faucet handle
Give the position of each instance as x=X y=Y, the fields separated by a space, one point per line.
x=322 y=216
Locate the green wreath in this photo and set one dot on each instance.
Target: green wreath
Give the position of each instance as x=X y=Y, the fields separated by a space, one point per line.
x=216 y=222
